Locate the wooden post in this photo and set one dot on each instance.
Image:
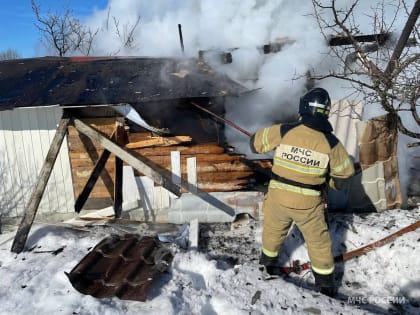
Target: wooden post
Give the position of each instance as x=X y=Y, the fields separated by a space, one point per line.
x=32 y=207
x=139 y=162
x=121 y=139
x=176 y=167
x=192 y=174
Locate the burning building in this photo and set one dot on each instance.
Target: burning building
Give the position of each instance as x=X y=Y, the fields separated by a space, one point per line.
x=177 y=144
x=138 y=138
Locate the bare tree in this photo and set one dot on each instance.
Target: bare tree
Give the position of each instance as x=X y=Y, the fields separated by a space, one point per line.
x=125 y=32
x=9 y=54
x=63 y=32
x=385 y=71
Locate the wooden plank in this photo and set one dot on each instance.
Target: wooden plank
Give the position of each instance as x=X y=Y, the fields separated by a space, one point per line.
x=131 y=195
x=223 y=176
x=158 y=141
x=98 y=191
x=212 y=167
x=380 y=38
x=194 y=234
x=118 y=187
x=93 y=177
x=165 y=161
x=185 y=150
x=139 y=162
x=233 y=185
x=83 y=173
x=87 y=162
x=77 y=147
x=103 y=125
x=76 y=144
x=192 y=174
x=79 y=166
x=176 y=167
x=31 y=209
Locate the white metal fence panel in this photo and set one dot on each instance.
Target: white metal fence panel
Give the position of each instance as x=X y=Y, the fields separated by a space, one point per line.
x=25 y=138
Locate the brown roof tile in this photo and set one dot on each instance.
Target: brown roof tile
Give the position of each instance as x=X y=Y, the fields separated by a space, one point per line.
x=122 y=266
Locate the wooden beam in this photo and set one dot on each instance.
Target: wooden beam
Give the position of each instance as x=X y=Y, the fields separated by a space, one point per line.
x=138 y=162
x=176 y=167
x=118 y=187
x=158 y=141
x=120 y=139
x=192 y=174
x=380 y=38
x=32 y=207
x=404 y=37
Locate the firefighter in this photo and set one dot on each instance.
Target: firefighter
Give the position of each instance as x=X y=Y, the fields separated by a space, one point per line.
x=306 y=157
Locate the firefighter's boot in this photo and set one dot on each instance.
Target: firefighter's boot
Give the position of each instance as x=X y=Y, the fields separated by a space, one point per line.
x=270 y=264
x=325 y=283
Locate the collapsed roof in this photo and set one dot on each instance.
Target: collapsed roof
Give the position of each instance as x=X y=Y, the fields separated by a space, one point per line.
x=85 y=81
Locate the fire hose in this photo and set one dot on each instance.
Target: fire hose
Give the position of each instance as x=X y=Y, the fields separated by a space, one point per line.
x=228 y=122
x=255 y=166
x=363 y=250
x=296 y=266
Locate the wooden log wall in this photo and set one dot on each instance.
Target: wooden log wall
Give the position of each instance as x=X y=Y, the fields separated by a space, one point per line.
x=217 y=170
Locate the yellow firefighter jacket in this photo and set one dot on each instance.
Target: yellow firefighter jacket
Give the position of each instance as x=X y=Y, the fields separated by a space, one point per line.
x=303 y=160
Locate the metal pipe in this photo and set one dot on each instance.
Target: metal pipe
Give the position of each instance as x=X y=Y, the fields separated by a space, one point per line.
x=180 y=38
x=223 y=119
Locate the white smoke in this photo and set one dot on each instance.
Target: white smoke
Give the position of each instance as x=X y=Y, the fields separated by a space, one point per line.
x=245 y=25
x=242 y=25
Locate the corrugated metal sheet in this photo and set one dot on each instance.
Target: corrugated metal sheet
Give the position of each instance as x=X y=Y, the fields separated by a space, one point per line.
x=25 y=137
x=344 y=117
x=367 y=191
x=122 y=266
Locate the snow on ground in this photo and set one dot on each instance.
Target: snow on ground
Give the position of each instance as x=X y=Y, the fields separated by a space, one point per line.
x=223 y=276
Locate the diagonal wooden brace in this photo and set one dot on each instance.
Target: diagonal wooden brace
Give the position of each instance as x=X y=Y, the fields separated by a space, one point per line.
x=32 y=207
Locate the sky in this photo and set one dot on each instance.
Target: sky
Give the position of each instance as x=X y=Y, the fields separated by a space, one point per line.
x=17 y=21
x=211 y=281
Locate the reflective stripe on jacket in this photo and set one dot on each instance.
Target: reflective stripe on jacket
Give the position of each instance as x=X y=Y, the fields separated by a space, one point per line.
x=303 y=155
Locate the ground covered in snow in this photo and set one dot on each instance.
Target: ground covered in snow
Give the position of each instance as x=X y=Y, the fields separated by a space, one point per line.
x=222 y=276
